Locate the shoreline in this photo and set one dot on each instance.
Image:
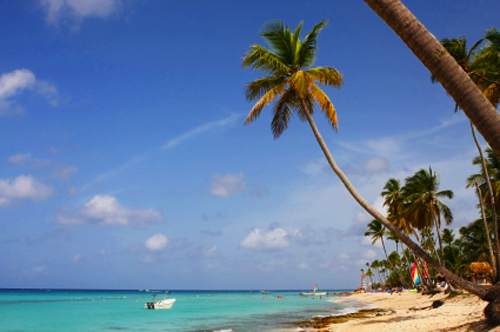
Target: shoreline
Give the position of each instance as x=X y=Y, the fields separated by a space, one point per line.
x=406 y=312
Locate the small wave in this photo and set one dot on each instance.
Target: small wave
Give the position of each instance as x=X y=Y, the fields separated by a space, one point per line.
x=225 y=330
x=353 y=306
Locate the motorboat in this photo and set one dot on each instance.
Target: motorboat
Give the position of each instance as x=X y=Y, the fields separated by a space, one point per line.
x=160 y=304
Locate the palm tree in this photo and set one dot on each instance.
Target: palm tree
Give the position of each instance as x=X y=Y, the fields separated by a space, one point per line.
x=424 y=207
x=377 y=231
x=433 y=55
x=291 y=81
x=448 y=236
x=395 y=202
x=294 y=89
x=375 y=265
x=486 y=67
x=369 y=273
x=394 y=238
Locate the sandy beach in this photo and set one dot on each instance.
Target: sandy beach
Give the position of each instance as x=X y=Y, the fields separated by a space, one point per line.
x=406 y=312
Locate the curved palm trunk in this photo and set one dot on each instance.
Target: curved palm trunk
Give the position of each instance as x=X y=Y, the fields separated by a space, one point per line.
x=496 y=267
x=443 y=66
x=483 y=216
x=487 y=293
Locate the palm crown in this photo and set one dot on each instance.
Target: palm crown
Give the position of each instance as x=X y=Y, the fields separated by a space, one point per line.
x=291 y=81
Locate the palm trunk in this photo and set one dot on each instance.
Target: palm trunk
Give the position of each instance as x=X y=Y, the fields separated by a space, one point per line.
x=437 y=224
x=483 y=216
x=443 y=66
x=392 y=265
x=493 y=208
x=486 y=293
x=429 y=244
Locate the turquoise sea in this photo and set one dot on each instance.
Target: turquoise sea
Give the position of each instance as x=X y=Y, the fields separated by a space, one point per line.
x=123 y=310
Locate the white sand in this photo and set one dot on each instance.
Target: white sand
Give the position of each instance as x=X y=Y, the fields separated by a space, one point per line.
x=462 y=313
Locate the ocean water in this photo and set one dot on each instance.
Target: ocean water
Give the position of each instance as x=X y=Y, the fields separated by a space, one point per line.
x=123 y=310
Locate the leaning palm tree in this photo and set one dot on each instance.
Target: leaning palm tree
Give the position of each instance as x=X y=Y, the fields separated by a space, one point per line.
x=424 y=207
x=291 y=81
x=293 y=86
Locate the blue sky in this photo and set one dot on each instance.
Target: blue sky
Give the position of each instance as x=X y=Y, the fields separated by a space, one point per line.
x=125 y=163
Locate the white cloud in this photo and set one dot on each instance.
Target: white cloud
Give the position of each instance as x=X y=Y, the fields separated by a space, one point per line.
x=304 y=266
x=15 y=82
x=344 y=256
x=261 y=240
x=367 y=241
x=315 y=167
x=77 y=258
x=23 y=187
x=64 y=171
x=224 y=186
x=210 y=252
x=105 y=210
x=370 y=254
x=79 y=9
x=148 y=259
x=156 y=242
x=376 y=165
x=200 y=130
x=39 y=269
x=19 y=159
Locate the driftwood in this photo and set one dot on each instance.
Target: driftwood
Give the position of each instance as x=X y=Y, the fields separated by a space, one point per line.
x=434 y=305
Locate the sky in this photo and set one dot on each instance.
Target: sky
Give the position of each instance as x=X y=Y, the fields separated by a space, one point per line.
x=125 y=163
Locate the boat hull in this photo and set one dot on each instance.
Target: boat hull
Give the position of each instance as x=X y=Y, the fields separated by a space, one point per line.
x=165 y=304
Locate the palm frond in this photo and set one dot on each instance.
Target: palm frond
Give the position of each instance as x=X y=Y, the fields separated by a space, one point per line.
x=309 y=45
x=261 y=86
x=261 y=59
x=263 y=101
x=326 y=76
x=282 y=113
x=445 y=193
x=300 y=82
x=325 y=104
x=279 y=37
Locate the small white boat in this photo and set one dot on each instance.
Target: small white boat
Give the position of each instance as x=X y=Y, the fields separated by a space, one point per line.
x=161 y=304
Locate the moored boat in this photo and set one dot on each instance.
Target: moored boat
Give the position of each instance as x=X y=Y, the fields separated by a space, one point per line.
x=161 y=304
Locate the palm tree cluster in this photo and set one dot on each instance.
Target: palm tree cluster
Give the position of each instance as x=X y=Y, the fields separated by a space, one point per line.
x=406 y=209
x=415 y=208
